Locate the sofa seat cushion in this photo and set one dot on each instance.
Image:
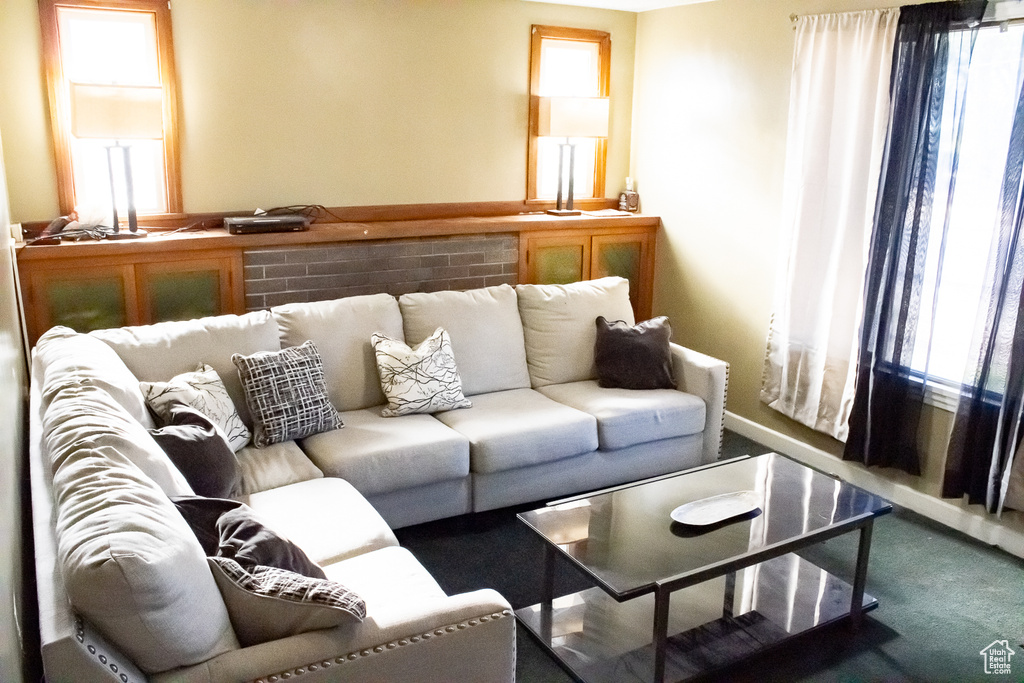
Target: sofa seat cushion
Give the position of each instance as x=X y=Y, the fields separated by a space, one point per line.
x=509 y=429
x=383 y=454
x=275 y=465
x=485 y=329
x=390 y=579
x=326 y=517
x=156 y=353
x=627 y=417
x=341 y=330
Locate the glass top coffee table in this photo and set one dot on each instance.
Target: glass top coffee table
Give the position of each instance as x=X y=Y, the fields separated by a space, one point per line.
x=673 y=601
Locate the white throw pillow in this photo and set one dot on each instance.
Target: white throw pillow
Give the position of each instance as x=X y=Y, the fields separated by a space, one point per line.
x=204 y=391
x=420 y=380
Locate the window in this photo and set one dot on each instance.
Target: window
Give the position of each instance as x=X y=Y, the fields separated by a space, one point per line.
x=956 y=278
x=111 y=43
x=567 y=62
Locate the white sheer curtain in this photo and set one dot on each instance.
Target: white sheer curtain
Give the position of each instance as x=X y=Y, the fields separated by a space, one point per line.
x=839 y=107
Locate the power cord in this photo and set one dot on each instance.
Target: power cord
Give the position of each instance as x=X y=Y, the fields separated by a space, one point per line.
x=96 y=232
x=310 y=211
x=195 y=226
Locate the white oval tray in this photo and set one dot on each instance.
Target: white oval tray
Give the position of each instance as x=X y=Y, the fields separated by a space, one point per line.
x=716 y=508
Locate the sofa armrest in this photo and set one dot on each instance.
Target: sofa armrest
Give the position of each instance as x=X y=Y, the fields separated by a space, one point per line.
x=706 y=377
x=465 y=637
x=72 y=651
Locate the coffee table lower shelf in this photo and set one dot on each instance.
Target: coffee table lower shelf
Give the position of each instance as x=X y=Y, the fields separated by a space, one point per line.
x=600 y=640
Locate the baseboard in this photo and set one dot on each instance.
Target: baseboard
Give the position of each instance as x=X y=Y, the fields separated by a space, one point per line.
x=972 y=520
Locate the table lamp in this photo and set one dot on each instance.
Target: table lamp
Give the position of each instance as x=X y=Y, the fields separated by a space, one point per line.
x=571 y=117
x=118 y=112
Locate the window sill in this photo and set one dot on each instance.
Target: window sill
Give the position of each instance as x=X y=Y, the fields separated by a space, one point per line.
x=942 y=396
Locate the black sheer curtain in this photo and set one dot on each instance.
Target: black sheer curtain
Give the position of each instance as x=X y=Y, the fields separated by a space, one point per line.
x=887 y=405
x=988 y=425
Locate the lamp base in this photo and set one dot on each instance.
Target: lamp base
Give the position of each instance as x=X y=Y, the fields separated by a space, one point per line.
x=126 y=235
x=564 y=212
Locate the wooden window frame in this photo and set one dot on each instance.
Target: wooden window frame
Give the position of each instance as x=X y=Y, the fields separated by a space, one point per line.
x=58 y=94
x=604 y=43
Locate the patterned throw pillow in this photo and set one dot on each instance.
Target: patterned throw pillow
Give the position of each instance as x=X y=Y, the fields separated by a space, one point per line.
x=204 y=391
x=266 y=603
x=286 y=393
x=420 y=380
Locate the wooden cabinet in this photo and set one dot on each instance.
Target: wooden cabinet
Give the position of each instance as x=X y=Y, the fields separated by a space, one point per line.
x=563 y=256
x=170 y=275
x=93 y=293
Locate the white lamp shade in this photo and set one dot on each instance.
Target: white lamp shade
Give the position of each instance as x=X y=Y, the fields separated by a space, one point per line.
x=117 y=112
x=573 y=117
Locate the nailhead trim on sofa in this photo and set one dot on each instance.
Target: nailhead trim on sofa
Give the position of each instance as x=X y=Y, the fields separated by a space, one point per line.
x=725 y=401
x=377 y=649
x=80 y=636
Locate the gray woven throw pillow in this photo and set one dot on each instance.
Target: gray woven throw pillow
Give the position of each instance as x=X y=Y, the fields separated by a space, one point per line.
x=286 y=393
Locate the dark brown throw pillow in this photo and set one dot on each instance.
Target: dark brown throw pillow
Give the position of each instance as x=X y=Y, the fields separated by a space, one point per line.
x=200 y=451
x=634 y=357
x=228 y=528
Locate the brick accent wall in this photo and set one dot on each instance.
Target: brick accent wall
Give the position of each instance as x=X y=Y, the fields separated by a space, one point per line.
x=280 y=275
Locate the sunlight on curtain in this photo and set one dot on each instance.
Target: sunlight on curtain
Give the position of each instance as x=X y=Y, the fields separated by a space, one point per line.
x=839 y=105
x=964 y=221
x=984 y=457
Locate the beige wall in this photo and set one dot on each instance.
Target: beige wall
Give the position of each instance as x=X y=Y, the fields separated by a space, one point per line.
x=24 y=114
x=335 y=103
x=12 y=457
x=709 y=135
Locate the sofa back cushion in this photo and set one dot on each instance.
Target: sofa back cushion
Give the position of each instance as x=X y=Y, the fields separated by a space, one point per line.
x=559 y=327
x=156 y=353
x=91 y=408
x=485 y=330
x=341 y=330
x=130 y=564
x=70 y=356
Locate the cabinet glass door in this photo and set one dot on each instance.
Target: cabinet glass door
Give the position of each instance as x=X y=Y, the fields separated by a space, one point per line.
x=84 y=299
x=625 y=256
x=183 y=296
x=86 y=305
x=183 y=290
x=558 y=260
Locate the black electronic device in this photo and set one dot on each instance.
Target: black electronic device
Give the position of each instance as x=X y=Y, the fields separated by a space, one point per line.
x=248 y=225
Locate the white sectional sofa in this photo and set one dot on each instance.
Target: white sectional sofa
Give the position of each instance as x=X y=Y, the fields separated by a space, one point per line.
x=124 y=588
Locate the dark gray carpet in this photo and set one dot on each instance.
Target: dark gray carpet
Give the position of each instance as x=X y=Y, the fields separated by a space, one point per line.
x=943 y=597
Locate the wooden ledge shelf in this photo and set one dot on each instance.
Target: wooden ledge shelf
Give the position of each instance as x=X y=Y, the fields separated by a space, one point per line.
x=172 y=275
x=218 y=238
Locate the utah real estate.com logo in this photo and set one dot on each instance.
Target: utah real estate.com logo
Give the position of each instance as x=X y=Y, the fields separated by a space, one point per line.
x=997 y=657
